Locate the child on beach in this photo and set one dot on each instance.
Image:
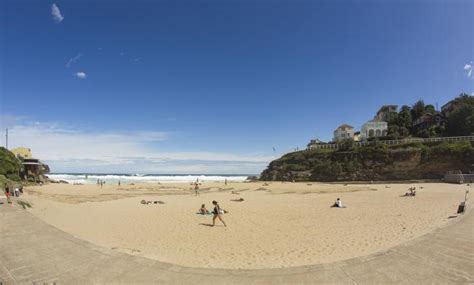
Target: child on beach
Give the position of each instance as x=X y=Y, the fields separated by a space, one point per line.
x=217 y=213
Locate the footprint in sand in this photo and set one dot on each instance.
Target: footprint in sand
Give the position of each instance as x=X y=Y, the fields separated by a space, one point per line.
x=127 y=250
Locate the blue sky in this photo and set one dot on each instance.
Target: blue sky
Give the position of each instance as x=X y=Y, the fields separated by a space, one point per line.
x=212 y=86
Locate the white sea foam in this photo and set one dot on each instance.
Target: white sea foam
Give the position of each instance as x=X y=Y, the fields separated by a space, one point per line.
x=140 y=178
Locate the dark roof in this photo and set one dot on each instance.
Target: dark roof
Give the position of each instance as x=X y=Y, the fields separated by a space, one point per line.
x=32 y=163
x=31 y=160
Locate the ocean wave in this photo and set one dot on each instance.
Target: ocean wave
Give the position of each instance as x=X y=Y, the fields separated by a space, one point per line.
x=140 y=178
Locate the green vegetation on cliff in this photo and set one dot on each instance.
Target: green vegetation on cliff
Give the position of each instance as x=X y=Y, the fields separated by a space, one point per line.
x=373 y=162
x=460 y=121
x=9 y=166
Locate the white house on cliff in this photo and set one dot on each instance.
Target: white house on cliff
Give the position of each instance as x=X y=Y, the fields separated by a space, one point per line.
x=343 y=132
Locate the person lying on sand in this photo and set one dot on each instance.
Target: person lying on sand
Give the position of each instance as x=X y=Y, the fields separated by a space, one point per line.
x=217 y=213
x=144 y=202
x=238 y=200
x=203 y=210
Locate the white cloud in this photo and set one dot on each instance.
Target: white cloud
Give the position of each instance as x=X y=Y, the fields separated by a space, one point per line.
x=67 y=149
x=56 y=13
x=73 y=60
x=468 y=69
x=80 y=75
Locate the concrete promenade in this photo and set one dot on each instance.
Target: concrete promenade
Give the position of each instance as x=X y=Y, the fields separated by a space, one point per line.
x=33 y=252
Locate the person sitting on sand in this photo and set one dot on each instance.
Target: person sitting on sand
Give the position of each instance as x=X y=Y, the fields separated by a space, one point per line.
x=337 y=204
x=412 y=192
x=203 y=210
x=217 y=213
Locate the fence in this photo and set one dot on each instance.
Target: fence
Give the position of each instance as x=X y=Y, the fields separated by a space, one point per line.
x=393 y=142
x=459 y=177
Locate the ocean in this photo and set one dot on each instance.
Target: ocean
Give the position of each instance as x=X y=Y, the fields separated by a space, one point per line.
x=91 y=178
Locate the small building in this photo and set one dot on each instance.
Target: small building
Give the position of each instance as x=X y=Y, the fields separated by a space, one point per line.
x=317 y=144
x=343 y=132
x=22 y=152
x=384 y=112
x=428 y=120
x=373 y=128
x=33 y=169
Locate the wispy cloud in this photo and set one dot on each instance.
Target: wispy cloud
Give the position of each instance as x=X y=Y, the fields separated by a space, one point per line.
x=57 y=16
x=80 y=75
x=468 y=70
x=73 y=60
x=68 y=149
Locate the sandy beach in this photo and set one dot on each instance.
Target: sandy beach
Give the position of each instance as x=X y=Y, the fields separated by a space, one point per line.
x=277 y=224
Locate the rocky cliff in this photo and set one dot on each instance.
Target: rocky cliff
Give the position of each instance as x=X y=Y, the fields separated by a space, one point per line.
x=376 y=162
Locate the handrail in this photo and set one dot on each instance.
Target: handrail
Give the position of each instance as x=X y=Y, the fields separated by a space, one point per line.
x=395 y=142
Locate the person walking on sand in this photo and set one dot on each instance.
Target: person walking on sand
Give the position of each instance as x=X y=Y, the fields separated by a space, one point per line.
x=217 y=214
x=7 y=194
x=196 y=188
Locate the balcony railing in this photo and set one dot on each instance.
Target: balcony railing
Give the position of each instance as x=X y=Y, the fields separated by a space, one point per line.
x=393 y=142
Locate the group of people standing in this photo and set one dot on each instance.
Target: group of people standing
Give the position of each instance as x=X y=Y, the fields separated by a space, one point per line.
x=100 y=183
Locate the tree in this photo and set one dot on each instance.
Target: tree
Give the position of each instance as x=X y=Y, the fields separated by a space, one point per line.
x=347 y=144
x=430 y=109
x=393 y=131
x=392 y=118
x=427 y=133
x=465 y=99
x=404 y=132
x=404 y=117
x=418 y=110
x=461 y=122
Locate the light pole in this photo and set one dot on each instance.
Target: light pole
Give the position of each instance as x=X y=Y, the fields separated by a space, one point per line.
x=6 y=138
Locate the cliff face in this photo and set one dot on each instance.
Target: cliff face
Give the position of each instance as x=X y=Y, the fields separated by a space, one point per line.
x=377 y=162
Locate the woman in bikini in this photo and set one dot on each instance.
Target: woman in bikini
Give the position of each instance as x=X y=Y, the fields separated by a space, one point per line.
x=217 y=214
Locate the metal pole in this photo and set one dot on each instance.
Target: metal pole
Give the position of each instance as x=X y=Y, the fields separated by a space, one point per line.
x=6 y=139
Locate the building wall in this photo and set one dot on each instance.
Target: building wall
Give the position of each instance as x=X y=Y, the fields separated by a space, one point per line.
x=374 y=129
x=342 y=134
x=22 y=152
